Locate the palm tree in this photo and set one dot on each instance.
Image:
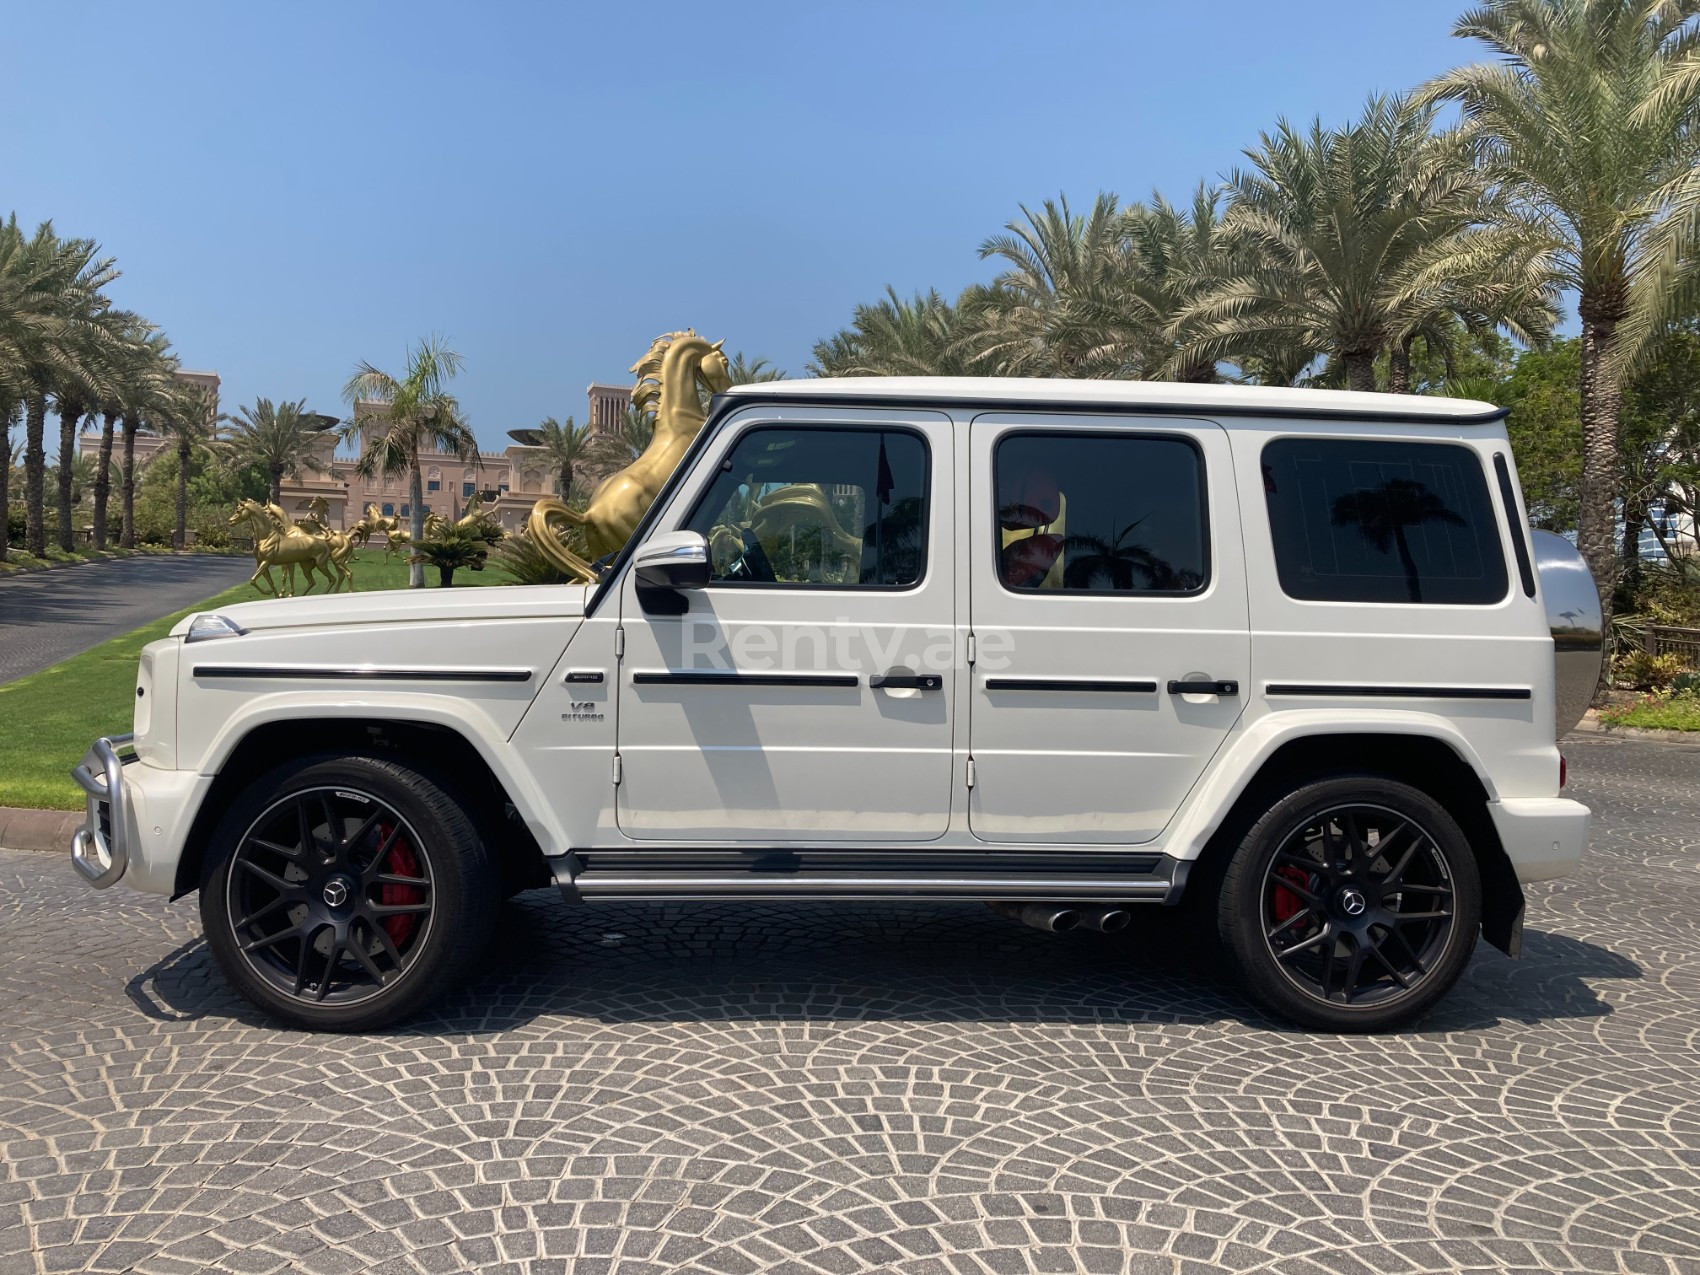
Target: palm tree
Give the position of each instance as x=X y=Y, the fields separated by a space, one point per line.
x=8 y=453
x=49 y=291
x=748 y=371
x=129 y=360
x=284 y=440
x=191 y=423
x=1055 y=309
x=1174 y=257
x=1347 y=240
x=1587 y=124
x=147 y=393
x=568 y=446
x=100 y=350
x=894 y=337
x=418 y=414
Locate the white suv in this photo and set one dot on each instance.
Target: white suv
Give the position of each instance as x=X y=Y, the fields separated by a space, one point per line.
x=1281 y=656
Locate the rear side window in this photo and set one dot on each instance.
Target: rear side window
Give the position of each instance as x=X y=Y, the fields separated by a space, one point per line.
x=1100 y=513
x=1357 y=520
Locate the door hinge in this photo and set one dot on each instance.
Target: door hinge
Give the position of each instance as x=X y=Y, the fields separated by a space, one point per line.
x=970 y=772
x=970 y=647
x=619 y=771
x=619 y=643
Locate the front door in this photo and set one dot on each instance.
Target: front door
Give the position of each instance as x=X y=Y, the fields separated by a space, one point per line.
x=1108 y=606
x=804 y=694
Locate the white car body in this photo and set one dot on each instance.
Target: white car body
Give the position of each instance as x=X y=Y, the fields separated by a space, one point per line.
x=979 y=787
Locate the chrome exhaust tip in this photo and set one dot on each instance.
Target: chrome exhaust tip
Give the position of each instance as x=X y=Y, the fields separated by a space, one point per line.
x=1051 y=917
x=1106 y=920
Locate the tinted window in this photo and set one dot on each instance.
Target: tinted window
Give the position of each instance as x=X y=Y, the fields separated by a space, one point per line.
x=822 y=507
x=1100 y=513
x=1357 y=521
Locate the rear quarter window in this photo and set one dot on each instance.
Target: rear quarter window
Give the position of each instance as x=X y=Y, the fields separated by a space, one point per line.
x=1358 y=520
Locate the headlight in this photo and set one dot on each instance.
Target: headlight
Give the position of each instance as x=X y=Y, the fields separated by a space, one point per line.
x=204 y=628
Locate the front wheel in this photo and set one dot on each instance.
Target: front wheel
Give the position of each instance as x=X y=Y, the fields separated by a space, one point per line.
x=342 y=893
x=1353 y=904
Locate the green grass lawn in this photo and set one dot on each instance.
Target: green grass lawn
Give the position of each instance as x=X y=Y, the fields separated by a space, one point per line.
x=1680 y=712
x=48 y=719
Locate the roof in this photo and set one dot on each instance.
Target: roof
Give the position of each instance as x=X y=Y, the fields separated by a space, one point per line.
x=1147 y=396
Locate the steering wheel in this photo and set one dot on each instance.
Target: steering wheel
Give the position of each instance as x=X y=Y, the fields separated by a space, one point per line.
x=753 y=563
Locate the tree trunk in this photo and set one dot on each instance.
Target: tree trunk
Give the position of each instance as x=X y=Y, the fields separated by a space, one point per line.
x=1602 y=406
x=180 y=538
x=1399 y=367
x=103 y=481
x=68 y=418
x=277 y=485
x=127 y=536
x=1360 y=369
x=35 y=473
x=415 y=521
x=445 y=577
x=1634 y=522
x=5 y=486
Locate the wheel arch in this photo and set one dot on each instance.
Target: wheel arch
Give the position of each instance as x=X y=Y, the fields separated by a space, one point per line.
x=1423 y=761
x=449 y=755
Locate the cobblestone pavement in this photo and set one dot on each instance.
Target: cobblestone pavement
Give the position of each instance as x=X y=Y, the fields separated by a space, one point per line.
x=868 y=1088
x=48 y=616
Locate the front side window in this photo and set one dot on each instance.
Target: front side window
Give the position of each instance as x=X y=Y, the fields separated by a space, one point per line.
x=1100 y=513
x=829 y=508
x=1357 y=520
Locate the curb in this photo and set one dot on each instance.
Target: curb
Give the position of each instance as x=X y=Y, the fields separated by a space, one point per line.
x=1590 y=725
x=49 y=830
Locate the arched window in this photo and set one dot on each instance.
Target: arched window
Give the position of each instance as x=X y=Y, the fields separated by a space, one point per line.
x=389 y=510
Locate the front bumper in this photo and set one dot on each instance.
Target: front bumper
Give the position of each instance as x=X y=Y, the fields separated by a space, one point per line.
x=100 y=849
x=1543 y=836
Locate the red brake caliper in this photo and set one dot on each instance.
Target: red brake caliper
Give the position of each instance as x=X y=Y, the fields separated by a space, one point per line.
x=1284 y=903
x=402 y=862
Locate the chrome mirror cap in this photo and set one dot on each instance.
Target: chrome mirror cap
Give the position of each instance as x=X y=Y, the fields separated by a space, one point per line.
x=675 y=560
x=204 y=628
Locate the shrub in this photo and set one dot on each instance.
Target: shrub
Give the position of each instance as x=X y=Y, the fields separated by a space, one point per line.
x=1640 y=671
x=521 y=559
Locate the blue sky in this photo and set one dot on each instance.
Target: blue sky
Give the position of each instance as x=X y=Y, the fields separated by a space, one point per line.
x=291 y=188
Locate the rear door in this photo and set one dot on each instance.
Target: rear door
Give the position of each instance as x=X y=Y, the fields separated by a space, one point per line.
x=1108 y=606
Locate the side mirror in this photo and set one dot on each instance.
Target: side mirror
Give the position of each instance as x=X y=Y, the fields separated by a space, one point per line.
x=675 y=560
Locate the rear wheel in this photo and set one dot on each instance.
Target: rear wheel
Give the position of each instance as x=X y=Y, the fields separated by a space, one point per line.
x=349 y=892
x=1353 y=904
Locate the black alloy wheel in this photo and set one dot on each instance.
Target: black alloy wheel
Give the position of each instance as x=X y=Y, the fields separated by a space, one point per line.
x=330 y=895
x=354 y=890
x=1352 y=904
x=1357 y=904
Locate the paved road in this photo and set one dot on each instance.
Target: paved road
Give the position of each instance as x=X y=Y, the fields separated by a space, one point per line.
x=911 y=1089
x=48 y=616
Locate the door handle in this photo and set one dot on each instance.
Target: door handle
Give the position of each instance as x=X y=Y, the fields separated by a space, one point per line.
x=903 y=679
x=1204 y=688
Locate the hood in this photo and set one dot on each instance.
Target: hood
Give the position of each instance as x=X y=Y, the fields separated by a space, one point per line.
x=406 y=606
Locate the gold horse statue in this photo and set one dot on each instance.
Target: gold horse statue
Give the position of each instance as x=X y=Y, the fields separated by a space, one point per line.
x=279 y=543
x=667 y=384
x=396 y=539
x=318 y=523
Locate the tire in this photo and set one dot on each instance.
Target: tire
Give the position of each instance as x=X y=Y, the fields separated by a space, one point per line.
x=341 y=893
x=1351 y=905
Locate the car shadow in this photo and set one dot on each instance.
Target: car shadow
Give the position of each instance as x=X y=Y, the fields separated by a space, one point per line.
x=912 y=962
